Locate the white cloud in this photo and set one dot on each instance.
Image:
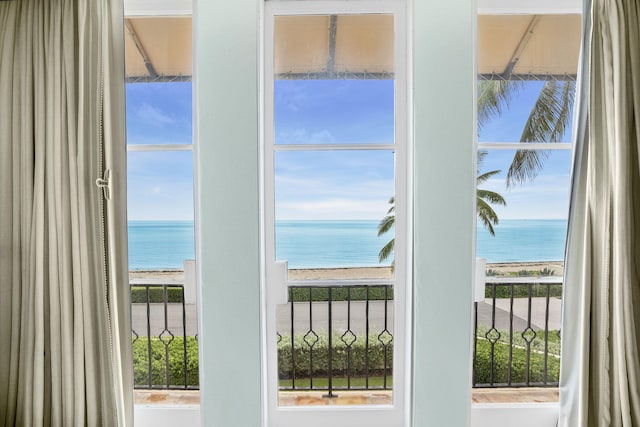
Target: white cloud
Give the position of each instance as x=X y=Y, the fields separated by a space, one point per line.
x=344 y=209
x=154 y=116
x=547 y=197
x=302 y=136
x=293 y=97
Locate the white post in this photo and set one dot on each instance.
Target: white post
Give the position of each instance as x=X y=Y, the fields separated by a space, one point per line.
x=279 y=282
x=481 y=280
x=190 y=293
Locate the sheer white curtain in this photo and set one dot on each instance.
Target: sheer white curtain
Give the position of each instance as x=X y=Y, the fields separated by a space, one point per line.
x=600 y=378
x=65 y=337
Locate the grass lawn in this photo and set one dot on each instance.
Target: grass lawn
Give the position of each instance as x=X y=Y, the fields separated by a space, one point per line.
x=339 y=382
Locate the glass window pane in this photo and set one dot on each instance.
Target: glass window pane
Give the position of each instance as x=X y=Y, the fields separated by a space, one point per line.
x=159 y=113
x=158 y=48
x=334 y=79
x=535 y=111
x=527 y=68
x=160 y=210
x=528 y=46
x=334 y=83
x=158 y=61
x=521 y=235
x=530 y=230
x=329 y=207
x=334 y=112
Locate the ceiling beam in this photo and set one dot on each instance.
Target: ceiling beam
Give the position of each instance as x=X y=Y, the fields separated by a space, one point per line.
x=522 y=44
x=145 y=58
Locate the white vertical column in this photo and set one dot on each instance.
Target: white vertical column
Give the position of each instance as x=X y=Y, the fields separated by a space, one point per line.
x=444 y=198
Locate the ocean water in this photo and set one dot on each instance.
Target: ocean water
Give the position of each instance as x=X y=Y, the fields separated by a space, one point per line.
x=308 y=244
x=157 y=245
x=523 y=240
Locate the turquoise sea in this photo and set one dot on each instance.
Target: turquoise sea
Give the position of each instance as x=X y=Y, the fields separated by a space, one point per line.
x=305 y=244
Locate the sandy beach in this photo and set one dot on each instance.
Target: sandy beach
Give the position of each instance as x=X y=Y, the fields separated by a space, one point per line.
x=497 y=269
x=511 y=268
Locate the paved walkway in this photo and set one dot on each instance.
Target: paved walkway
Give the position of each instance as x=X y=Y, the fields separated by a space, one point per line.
x=521 y=313
x=157 y=324
x=357 y=324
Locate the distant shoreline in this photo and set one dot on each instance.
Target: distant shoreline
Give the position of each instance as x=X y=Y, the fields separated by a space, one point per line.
x=501 y=269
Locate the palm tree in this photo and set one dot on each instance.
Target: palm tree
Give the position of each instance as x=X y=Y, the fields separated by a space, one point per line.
x=547 y=120
x=385 y=225
x=484 y=200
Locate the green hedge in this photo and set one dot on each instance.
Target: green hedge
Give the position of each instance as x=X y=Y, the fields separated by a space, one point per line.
x=359 y=356
x=500 y=367
x=158 y=366
x=537 y=344
x=302 y=353
x=156 y=294
x=522 y=291
x=357 y=293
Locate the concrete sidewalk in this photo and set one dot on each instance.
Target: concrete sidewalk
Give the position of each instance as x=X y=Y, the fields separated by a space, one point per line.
x=319 y=317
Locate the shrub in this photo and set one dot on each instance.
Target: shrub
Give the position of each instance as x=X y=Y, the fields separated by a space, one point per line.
x=358 y=360
x=357 y=293
x=500 y=367
x=522 y=291
x=156 y=294
x=547 y=272
x=359 y=357
x=537 y=344
x=159 y=352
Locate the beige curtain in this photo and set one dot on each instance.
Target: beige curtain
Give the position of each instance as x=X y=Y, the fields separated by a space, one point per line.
x=65 y=337
x=600 y=377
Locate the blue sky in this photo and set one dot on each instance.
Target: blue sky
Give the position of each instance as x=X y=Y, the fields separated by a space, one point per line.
x=320 y=185
x=333 y=184
x=547 y=196
x=160 y=184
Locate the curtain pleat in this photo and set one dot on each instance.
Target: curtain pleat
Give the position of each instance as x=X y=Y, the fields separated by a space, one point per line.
x=600 y=378
x=64 y=301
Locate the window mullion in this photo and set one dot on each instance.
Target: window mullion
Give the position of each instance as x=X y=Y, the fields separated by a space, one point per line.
x=334 y=147
x=525 y=145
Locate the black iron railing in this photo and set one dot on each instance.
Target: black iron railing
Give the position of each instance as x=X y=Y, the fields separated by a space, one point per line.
x=335 y=338
x=517 y=333
x=165 y=353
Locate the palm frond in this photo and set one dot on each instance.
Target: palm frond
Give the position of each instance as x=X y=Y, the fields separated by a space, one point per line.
x=386 y=250
x=485 y=176
x=525 y=166
x=547 y=122
x=386 y=224
x=491 y=197
x=493 y=97
x=388 y=221
x=484 y=198
x=487 y=216
x=550 y=113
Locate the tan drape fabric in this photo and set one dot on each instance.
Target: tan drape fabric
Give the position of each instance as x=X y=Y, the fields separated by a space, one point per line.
x=64 y=312
x=600 y=378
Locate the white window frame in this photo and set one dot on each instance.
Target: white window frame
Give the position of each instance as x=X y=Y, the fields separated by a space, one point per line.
x=274 y=275
x=162 y=415
x=528 y=414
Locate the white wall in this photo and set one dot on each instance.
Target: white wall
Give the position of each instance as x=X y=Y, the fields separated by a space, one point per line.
x=485 y=415
x=520 y=414
x=166 y=416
